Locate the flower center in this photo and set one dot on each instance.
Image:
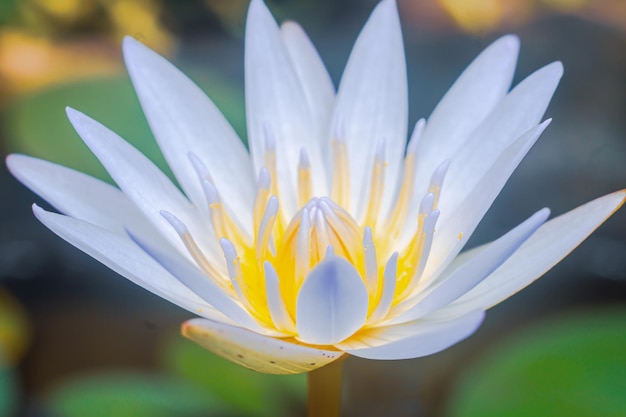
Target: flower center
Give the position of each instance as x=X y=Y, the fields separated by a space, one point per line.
x=265 y=271
x=320 y=226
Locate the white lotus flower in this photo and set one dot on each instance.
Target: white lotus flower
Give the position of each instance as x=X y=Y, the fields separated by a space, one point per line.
x=328 y=238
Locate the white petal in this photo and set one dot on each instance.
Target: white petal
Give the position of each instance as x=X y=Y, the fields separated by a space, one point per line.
x=201 y=284
x=183 y=120
x=372 y=103
x=150 y=190
x=120 y=254
x=472 y=97
x=519 y=111
x=316 y=83
x=551 y=243
x=255 y=351
x=457 y=281
x=414 y=339
x=275 y=303
x=331 y=304
x=457 y=226
x=81 y=196
x=275 y=97
x=389 y=289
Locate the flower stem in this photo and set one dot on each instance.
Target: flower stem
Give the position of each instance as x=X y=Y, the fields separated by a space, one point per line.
x=324 y=390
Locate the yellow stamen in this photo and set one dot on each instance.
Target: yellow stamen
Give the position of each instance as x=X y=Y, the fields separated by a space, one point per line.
x=398 y=217
x=249 y=292
x=264 y=233
x=410 y=260
x=262 y=196
x=195 y=251
x=202 y=261
x=340 y=190
x=377 y=185
x=217 y=220
x=305 y=185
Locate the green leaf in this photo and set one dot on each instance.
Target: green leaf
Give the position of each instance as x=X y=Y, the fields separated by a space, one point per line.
x=131 y=395
x=8 y=10
x=36 y=124
x=571 y=367
x=250 y=392
x=8 y=391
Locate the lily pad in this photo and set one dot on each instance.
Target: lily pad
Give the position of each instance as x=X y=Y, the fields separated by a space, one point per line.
x=8 y=9
x=36 y=124
x=573 y=366
x=8 y=391
x=250 y=392
x=131 y=395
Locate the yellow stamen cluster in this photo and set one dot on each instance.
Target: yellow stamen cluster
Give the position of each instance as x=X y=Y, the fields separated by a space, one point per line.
x=289 y=249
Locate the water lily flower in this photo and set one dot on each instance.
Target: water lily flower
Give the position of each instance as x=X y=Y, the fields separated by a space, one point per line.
x=334 y=234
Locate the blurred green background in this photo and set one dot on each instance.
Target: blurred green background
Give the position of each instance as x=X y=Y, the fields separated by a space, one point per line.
x=76 y=340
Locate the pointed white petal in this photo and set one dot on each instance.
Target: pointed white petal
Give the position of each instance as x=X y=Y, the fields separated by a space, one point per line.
x=120 y=254
x=372 y=103
x=275 y=303
x=143 y=183
x=468 y=102
x=316 y=83
x=458 y=281
x=275 y=98
x=550 y=243
x=201 y=284
x=332 y=303
x=81 y=196
x=414 y=339
x=183 y=120
x=389 y=288
x=457 y=226
x=521 y=110
x=255 y=351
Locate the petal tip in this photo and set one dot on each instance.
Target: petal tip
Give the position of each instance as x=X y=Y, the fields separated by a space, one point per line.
x=558 y=68
x=291 y=27
x=389 y=5
x=74 y=115
x=20 y=166
x=12 y=162
x=257 y=8
x=135 y=52
x=38 y=211
x=129 y=42
x=388 y=10
x=620 y=194
x=510 y=42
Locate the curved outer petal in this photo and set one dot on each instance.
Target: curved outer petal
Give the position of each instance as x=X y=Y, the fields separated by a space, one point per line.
x=414 y=339
x=120 y=254
x=81 y=196
x=458 y=281
x=457 y=226
x=520 y=111
x=372 y=104
x=254 y=351
x=316 y=83
x=550 y=243
x=183 y=120
x=144 y=184
x=274 y=97
x=202 y=285
x=468 y=102
x=332 y=303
